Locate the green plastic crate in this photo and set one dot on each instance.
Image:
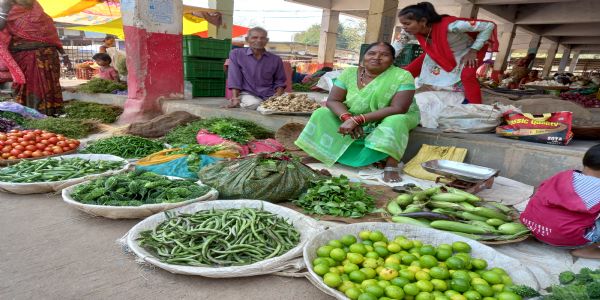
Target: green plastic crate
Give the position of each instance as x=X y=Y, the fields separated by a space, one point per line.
x=194 y=46
x=208 y=87
x=203 y=68
x=409 y=53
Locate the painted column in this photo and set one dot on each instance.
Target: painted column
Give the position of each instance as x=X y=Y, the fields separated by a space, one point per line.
x=225 y=7
x=534 y=45
x=327 y=41
x=381 y=20
x=469 y=11
x=507 y=34
x=154 y=56
x=574 y=60
x=564 y=60
x=550 y=59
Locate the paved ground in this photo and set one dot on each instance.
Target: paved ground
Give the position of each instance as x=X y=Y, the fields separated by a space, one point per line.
x=51 y=251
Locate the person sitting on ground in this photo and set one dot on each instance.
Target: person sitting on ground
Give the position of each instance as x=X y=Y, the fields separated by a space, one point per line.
x=533 y=76
x=106 y=71
x=564 y=210
x=254 y=74
x=370 y=111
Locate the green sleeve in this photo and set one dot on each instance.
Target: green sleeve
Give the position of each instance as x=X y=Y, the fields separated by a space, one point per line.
x=343 y=81
x=407 y=82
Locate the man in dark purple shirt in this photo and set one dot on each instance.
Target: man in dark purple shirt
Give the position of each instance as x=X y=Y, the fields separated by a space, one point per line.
x=254 y=74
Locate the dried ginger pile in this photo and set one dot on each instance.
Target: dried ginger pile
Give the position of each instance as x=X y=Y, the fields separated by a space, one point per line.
x=290 y=103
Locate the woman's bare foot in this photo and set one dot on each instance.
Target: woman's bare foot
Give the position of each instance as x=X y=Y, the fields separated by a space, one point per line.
x=591 y=251
x=391 y=172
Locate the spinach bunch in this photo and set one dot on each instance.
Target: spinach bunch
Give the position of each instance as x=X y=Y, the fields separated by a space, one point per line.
x=336 y=196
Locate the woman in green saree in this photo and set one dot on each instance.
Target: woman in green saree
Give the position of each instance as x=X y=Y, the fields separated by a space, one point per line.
x=369 y=114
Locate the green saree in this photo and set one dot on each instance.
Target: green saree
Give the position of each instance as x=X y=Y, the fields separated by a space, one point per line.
x=389 y=137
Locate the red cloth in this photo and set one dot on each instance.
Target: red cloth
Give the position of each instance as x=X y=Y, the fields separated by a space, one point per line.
x=439 y=49
x=207 y=138
x=556 y=215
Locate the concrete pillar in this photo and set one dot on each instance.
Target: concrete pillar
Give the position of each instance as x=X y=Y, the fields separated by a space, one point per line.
x=469 y=11
x=327 y=41
x=564 y=60
x=154 y=56
x=574 y=60
x=225 y=7
x=550 y=59
x=381 y=20
x=507 y=34
x=534 y=45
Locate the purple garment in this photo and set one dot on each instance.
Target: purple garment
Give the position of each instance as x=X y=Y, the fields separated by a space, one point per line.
x=257 y=77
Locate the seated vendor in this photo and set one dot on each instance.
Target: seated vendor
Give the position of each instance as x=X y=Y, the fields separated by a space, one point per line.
x=253 y=73
x=564 y=210
x=531 y=77
x=370 y=111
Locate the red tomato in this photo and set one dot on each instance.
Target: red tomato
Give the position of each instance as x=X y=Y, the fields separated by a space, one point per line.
x=5 y=155
x=3 y=137
x=6 y=149
x=29 y=137
x=53 y=140
x=38 y=131
x=61 y=143
x=21 y=156
x=31 y=147
x=36 y=153
x=10 y=141
x=40 y=146
x=12 y=157
x=45 y=142
x=46 y=153
x=66 y=148
x=60 y=137
x=20 y=147
x=27 y=153
x=15 y=152
x=1 y=144
x=72 y=145
x=57 y=150
x=14 y=131
x=20 y=140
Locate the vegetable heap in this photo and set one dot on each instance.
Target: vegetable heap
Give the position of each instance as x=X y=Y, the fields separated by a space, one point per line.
x=193 y=152
x=457 y=211
x=13 y=116
x=220 y=237
x=302 y=87
x=55 y=169
x=95 y=111
x=137 y=188
x=231 y=132
x=187 y=134
x=18 y=144
x=72 y=128
x=8 y=125
x=373 y=267
x=582 y=286
x=336 y=197
x=99 y=85
x=290 y=103
x=126 y=146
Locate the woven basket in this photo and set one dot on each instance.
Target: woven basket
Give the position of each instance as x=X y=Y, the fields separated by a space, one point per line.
x=586 y=130
x=288 y=133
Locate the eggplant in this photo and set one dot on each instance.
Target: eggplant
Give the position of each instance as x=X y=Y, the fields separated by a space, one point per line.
x=427 y=215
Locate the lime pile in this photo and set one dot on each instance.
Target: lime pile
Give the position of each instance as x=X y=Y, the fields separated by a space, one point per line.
x=378 y=268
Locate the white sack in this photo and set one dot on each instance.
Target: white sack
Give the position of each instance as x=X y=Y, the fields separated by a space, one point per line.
x=326 y=81
x=307 y=227
x=55 y=186
x=432 y=103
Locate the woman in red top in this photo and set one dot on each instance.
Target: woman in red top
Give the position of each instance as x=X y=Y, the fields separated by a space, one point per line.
x=565 y=208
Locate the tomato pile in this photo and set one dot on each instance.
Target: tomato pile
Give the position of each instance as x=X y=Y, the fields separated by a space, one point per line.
x=18 y=144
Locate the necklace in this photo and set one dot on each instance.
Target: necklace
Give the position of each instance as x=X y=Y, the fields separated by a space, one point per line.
x=364 y=74
x=428 y=33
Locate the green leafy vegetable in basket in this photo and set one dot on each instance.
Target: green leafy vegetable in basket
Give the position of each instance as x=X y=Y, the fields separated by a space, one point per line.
x=72 y=128
x=126 y=146
x=96 y=111
x=231 y=132
x=137 y=188
x=336 y=196
x=187 y=134
x=99 y=85
x=582 y=286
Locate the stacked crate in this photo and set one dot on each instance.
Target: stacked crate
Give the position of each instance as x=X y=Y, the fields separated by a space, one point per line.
x=203 y=61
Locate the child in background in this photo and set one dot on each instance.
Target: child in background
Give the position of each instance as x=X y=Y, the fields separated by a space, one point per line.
x=106 y=71
x=564 y=210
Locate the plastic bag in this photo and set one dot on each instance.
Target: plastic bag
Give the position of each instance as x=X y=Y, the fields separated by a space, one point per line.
x=172 y=165
x=549 y=128
x=326 y=81
x=22 y=110
x=259 y=177
x=470 y=118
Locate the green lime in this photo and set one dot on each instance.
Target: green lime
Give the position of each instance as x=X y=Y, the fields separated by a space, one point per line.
x=383 y=283
x=376 y=236
x=406 y=244
x=338 y=254
x=388 y=274
x=439 y=285
x=507 y=280
x=479 y=281
x=428 y=261
x=321 y=269
x=472 y=295
x=422 y=275
x=382 y=251
x=408 y=274
x=367 y=296
x=394 y=247
x=424 y=296
x=455 y=263
x=394 y=266
x=484 y=290
x=370 y=273
x=350 y=267
x=367 y=243
x=336 y=244
x=424 y=285
x=357 y=276
x=345 y=285
x=375 y=290
x=411 y=289
x=499 y=271
x=439 y=273
x=498 y=288
x=442 y=254
x=353 y=293
x=492 y=277
x=399 y=281
x=408 y=259
x=364 y=235
x=461 y=247
x=427 y=250
x=320 y=260
x=460 y=285
x=451 y=293
x=355 y=258
x=474 y=275
x=367 y=283
x=332 y=280
x=461 y=274
x=508 y=296
x=441 y=297
x=372 y=254
x=348 y=239
x=479 y=264
x=394 y=292
x=370 y=263
x=393 y=259
x=324 y=251
x=358 y=248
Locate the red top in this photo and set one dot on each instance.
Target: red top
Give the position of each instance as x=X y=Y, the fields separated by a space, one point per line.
x=557 y=215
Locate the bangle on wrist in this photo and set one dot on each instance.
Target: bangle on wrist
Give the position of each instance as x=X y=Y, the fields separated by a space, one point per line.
x=345 y=116
x=355 y=121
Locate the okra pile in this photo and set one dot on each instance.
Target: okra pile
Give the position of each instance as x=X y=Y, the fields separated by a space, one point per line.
x=220 y=237
x=56 y=169
x=455 y=210
x=137 y=188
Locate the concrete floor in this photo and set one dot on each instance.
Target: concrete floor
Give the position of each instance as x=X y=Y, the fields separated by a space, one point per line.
x=51 y=251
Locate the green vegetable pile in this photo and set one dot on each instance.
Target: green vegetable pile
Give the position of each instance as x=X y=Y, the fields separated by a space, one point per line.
x=17 y=118
x=95 y=111
x=126 y=146
x=72 y=128
x=336 y=197
x=232 y=132
x=193 y=152
x=524 y=291
x=187 y=134
x=55 y=169
x=457 y=211
x=220 y=237
x=582 y=286
x=137 y=188
x=302 y=87
x=99 y=85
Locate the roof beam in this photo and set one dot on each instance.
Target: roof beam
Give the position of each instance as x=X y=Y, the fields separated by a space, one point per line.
x=507 y=13
x=589 y=29
x=585 y=47
x=559 y=13
x=580 y=40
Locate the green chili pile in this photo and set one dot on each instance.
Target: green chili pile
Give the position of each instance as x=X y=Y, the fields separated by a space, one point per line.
x=220 y=237
x=55 y=169
x=126 y=146
x=88 y=110
x=137 y=188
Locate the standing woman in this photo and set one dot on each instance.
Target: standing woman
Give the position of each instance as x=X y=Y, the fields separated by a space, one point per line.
x=30 y=46
x=453 y=48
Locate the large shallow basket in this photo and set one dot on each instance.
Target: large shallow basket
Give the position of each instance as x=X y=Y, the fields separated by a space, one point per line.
x=288 y=134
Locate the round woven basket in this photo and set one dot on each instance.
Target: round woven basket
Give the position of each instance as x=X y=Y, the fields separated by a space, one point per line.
x=586 y=130
x=288 y=133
